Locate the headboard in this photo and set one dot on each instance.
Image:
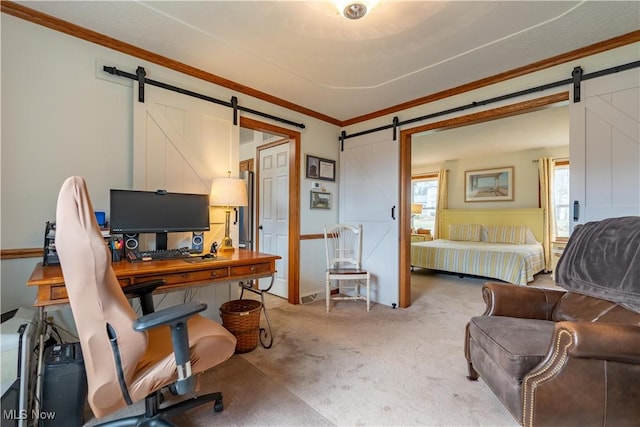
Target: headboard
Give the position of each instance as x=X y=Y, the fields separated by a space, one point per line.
x=533 y=218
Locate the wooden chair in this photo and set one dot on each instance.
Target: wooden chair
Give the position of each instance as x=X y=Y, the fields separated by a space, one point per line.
x=343 y=246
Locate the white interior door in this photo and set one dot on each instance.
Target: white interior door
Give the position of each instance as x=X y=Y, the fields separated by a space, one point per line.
x=273 y=215
x=605 y=148
x=180 y=144
x=369 y=180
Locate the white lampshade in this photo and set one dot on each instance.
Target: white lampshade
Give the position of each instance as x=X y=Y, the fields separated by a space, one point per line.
x=228 y=192
x=416 y=208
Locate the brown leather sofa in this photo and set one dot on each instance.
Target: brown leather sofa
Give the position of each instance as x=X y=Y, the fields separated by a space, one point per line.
x=568 y=357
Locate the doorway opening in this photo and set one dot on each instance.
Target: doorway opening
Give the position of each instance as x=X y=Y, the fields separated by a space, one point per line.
x=293 y=138
x=405 y=170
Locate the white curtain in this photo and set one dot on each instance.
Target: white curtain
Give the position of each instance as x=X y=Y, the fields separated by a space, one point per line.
x=545 y=174
x=443 y=202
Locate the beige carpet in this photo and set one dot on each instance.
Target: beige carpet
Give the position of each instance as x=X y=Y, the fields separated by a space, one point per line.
x=402 y=367
x=388 y=367
x=250 y=399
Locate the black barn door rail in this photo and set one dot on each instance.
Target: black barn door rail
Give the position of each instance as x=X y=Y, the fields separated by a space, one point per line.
x=141 y=78
x=576 y=77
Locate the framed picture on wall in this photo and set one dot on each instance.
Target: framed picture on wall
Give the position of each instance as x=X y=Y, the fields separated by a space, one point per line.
x=319 y=168
x=489 y=185
x=320 y=200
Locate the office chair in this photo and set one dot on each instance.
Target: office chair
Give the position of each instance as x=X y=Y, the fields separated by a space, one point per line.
x=343 y=247
x=128 y=359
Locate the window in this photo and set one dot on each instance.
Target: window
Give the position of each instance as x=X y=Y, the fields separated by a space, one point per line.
x=561 y=199
x=424 y=190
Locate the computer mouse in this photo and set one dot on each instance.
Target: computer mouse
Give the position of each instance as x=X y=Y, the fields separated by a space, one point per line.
x=208 y=256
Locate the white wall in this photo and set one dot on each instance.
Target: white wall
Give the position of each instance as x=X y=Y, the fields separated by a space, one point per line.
x=62 y=116
x=525 y=177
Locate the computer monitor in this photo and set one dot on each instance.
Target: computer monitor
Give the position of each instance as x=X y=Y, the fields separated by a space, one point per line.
x=158 y=212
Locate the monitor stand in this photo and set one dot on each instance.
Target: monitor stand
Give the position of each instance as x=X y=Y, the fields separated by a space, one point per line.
x=161 y=241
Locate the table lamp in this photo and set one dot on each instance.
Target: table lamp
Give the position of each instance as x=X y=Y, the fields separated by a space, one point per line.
x=229 y=193
x=416 y=209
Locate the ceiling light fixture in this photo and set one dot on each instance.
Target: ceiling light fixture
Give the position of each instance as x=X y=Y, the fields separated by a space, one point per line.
x=355 y=10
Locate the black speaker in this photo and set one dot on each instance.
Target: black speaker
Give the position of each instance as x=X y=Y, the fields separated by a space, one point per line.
x=197 y=241
x=64 y=386
x=131 y=242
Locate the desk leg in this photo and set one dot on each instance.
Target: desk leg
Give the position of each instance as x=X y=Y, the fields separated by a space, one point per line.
x=39 y=368
x=263 y=332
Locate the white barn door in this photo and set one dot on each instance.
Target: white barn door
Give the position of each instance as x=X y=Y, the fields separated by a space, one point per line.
x=180 y=144
x=369 y=180
x=605 y=148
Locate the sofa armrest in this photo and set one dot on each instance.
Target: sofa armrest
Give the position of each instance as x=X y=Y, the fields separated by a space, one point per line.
x=615 y=342
x=596 y=365
x=519 y=301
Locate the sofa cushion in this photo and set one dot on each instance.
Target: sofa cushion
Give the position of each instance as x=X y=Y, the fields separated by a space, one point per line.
x=516 y=345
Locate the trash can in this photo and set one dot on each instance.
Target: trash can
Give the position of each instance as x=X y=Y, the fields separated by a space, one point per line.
x=242 y=318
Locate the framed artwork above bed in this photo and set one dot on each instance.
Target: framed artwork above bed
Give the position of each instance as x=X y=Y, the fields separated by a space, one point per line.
x=488 y=185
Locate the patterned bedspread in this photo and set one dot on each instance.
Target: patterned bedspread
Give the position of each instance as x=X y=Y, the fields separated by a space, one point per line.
x=507 y=262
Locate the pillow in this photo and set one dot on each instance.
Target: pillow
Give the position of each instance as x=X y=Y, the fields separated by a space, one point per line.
x=515 y=234
x=465 y=232
x=530 y=239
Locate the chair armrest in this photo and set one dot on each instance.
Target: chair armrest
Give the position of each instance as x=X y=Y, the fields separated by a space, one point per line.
x=175 y=317
x=168 y=316
x=143 y=287
x=519 y=301
x=143 y=291
x=616 y=342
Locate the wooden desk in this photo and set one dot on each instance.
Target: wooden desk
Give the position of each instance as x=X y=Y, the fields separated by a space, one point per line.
x=240 y=266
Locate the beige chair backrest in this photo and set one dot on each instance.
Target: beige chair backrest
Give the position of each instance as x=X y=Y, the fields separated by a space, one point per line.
x=97 y=301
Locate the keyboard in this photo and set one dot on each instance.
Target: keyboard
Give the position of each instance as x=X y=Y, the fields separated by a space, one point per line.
x=136 y=256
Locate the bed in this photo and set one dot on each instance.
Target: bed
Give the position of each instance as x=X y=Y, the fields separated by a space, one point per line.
x=498 y=244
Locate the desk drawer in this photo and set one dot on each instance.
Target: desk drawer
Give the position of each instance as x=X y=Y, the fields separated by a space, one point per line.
x=243 y=270
x=193 y=276
x=60 y=292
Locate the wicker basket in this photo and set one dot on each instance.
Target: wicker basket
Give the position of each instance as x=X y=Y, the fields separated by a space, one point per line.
x=242 y=318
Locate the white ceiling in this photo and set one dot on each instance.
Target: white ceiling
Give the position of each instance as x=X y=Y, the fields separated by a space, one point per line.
x=304 y=52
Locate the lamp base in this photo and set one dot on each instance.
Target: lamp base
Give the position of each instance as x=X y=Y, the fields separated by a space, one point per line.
x=226 y=245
